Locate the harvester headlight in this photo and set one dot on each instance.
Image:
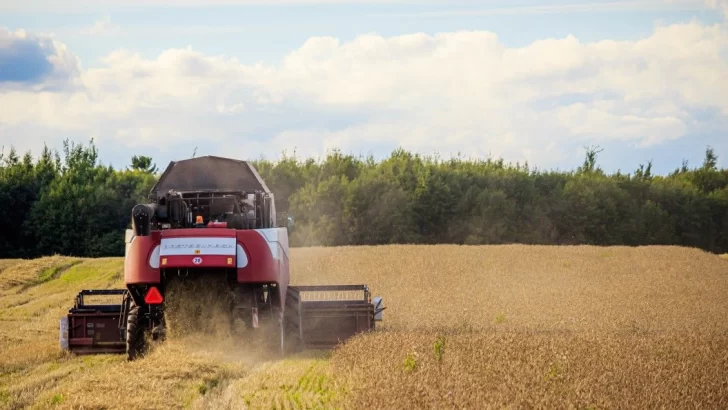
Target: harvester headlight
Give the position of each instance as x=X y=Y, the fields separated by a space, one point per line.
x=154 y=258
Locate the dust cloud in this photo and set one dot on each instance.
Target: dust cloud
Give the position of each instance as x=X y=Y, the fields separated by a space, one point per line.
x=199 y=319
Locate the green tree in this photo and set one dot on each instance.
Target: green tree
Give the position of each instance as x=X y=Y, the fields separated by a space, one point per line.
x=75 y=205
x=85 y=210
x=144 y=164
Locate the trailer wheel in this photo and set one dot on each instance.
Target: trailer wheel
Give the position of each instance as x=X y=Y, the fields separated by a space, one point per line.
x=134 y=333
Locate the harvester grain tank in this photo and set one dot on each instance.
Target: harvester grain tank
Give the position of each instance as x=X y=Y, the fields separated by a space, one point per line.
x=214 y=217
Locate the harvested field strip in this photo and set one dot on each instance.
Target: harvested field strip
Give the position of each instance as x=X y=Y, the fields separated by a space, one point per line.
x=302 y=382
x=25 y=273
x=170 y=377
x=6 y=263
x=29 y=318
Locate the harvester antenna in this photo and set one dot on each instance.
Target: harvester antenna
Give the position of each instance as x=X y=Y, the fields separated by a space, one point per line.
x=194 y=152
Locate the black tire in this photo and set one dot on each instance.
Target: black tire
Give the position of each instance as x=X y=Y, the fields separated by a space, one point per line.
x=135 y=345
x=291 y=343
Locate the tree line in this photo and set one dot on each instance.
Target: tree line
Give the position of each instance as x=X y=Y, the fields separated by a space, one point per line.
x=74 y=205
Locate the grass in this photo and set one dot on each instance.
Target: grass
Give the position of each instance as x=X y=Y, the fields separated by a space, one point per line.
x=20 y=274
x=480 y=326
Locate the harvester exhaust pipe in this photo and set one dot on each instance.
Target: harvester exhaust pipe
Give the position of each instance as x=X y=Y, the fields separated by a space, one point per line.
x=142 y=216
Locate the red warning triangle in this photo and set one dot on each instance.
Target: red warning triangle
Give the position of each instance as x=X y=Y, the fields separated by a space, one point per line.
x=153 y=296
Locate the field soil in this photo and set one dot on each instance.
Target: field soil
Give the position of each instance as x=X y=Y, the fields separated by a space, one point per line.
x=465 y=327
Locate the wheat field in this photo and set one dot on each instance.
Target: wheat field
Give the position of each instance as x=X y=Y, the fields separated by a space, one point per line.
x=508 y=326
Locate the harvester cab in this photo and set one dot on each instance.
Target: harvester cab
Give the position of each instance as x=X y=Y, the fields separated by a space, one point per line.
x=215 y=218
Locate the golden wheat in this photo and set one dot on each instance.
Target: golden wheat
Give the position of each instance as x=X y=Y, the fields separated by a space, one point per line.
x=553 y=327
x=5 y=263
x=482 y=326
x=579 y=288
x=515 y=369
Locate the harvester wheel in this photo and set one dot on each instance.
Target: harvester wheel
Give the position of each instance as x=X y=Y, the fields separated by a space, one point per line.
x=134 y=333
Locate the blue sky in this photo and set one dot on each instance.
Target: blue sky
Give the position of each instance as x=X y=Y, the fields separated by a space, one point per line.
x=156 y=77
x=235 y=30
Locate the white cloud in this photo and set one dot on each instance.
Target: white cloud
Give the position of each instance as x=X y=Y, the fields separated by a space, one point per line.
x=565 y=7
x=33 y=62
x=721 y=5
x=460 y=91
x=102 y=27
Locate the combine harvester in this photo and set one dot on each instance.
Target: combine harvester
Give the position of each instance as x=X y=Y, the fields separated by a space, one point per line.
x=214 y=217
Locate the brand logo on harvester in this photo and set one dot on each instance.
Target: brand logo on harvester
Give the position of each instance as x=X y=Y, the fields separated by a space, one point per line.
x=197 y=260
x=198 y=246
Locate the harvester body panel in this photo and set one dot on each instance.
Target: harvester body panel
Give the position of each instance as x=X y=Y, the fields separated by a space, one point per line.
x=266 y=251
x=258 y=255
x=209 y=174
x=139 y=262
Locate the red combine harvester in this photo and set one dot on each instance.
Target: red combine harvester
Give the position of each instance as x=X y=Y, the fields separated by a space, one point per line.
x=216 y=217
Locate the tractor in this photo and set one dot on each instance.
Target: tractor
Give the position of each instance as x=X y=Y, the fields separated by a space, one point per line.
x=214 y=217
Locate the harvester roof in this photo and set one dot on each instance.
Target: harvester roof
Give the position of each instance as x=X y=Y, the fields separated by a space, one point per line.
x=209 y=174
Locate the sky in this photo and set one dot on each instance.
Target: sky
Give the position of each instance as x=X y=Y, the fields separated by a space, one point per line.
x=524 y=80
